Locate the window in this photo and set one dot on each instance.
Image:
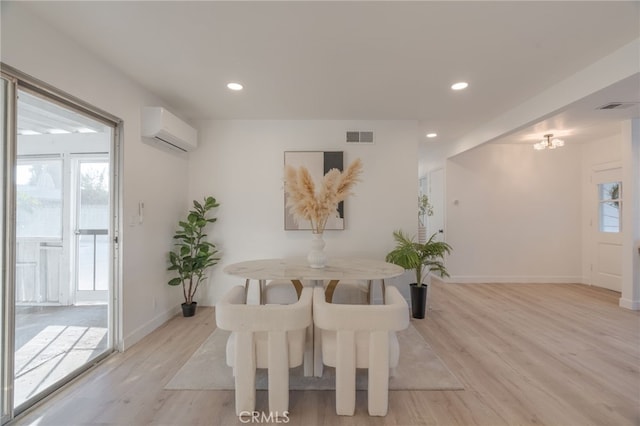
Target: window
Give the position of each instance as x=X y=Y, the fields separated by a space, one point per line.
x=610 y=200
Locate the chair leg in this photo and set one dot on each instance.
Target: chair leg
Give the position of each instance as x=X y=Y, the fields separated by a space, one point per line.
x=245 y=367
x=378 y=392
x=278 y=374
x=345 y=372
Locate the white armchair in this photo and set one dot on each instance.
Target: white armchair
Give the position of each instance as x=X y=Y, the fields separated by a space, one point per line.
x=263 y=336
x=361 y=336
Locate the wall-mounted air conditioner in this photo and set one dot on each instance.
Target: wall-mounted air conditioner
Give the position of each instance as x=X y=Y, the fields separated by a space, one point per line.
x=162 y=127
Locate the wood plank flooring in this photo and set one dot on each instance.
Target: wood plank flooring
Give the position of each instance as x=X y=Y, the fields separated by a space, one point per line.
x=552 y=354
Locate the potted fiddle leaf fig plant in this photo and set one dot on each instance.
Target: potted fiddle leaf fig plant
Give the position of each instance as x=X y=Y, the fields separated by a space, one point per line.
x=423 y=258
x=193 y=254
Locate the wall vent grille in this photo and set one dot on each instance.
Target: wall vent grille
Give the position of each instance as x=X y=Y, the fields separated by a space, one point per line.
x=354 y=136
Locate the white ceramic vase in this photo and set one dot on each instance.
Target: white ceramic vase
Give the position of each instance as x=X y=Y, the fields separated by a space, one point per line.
x=316 y=257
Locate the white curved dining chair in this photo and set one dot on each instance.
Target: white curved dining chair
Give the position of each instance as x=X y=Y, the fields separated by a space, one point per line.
x=361 y=336
x=263 y=336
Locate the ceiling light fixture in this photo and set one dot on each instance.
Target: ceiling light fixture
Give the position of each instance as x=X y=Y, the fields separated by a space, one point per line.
x=460 y=85
x=432 y=135
x=548 y=143
x=58 y=131
x=235 y=86
x=85 y=130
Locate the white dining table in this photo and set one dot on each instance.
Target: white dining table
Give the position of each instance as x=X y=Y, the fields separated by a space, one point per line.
x=297 y=270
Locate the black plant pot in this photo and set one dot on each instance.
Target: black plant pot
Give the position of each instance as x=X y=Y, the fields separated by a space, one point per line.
x=418 y=300
x=189 y=309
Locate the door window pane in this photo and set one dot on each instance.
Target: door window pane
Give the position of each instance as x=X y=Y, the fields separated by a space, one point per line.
x=94 y=195
x=610 y=199
x=93 y=256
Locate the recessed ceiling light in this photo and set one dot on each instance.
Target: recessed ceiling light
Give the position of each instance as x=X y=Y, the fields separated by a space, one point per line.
x=432 y=135
x=58 y=131
x=460 y=85
x=85 y=130
x=235 y=86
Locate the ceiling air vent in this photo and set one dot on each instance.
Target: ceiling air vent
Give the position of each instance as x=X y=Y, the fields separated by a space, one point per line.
x=617 y=105
x=359 y=137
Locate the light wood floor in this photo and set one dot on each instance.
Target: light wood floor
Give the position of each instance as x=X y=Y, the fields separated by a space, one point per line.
x=526 y=354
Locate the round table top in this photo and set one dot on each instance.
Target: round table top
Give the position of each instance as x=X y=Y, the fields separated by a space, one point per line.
x=339 y=268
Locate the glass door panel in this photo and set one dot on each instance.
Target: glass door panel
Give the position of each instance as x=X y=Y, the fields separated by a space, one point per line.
x=62 y=251
x=609 y=197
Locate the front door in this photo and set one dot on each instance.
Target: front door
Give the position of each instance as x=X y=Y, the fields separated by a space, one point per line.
x=606 y=266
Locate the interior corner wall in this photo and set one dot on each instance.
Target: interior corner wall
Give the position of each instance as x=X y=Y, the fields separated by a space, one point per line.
x=149 y=175
x=630 y=142
x=241 y=163
x=513 y=214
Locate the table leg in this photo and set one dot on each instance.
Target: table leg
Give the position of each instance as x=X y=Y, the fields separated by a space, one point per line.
x=262 y=284
x=246 y=290
x=317 y=342
x=298 y=285
x=331 y=287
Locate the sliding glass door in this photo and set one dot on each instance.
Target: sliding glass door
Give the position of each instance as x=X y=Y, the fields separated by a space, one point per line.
x=58 y=266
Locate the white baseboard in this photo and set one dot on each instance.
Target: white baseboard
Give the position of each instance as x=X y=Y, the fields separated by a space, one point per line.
x=502 y=279
x=629 y=304
x=136 y=335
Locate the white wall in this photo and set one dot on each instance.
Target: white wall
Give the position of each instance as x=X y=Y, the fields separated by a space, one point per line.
x=241 y=164
x=150 y=175
x=513 y=214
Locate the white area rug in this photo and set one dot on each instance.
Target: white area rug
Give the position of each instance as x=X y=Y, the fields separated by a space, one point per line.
x=419 y=369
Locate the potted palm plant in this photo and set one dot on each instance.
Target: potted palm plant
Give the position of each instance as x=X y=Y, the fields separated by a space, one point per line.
x=193 y=254
x=423 y=258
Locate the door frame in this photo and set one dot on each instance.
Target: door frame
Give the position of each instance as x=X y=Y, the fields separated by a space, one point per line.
x=21 y=81
x=437 y=195
x=7 y=343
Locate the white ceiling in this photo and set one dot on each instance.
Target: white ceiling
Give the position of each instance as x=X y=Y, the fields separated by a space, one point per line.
x=356 y=60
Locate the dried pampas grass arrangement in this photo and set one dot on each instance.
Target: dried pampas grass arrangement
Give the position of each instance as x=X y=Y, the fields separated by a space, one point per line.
x=304 y=202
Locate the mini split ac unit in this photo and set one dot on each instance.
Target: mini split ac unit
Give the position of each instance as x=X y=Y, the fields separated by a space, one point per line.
x=159 y=126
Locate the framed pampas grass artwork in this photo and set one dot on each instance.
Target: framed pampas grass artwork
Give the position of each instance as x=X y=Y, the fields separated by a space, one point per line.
x=316 y=186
